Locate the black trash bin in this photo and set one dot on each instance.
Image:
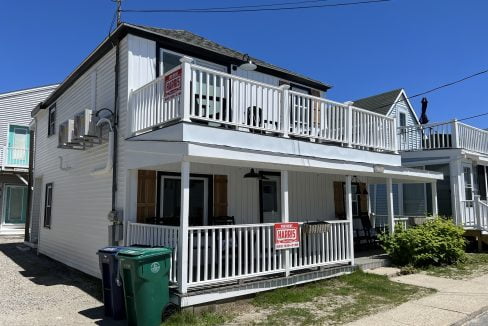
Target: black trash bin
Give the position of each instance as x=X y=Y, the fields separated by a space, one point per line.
x=113 y=290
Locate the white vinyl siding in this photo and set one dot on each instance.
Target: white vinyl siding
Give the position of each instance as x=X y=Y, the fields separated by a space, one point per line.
x=81 y=201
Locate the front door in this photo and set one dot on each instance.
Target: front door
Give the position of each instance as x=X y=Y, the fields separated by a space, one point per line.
x=170 y=200
x=15 y=204
x=271 y=199
x=18 y=146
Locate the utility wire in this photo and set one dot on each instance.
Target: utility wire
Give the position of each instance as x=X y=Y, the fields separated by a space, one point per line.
x=234 y=10
x=433 y=89
x=257 y=6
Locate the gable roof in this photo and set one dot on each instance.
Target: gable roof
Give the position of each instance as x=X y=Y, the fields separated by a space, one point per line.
x=380 y=103
x=184 y=42
x=204 y=43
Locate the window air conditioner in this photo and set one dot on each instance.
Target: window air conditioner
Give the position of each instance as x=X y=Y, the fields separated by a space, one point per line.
x=65 y=135
x=85 y=127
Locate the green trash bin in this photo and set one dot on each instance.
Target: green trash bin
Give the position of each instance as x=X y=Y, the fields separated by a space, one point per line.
x=145 y=277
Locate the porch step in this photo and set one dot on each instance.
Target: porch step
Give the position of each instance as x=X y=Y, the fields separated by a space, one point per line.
x=372 y=262
x=223 y=292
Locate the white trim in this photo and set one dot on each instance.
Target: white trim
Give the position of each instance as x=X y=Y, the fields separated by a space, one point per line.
x=402 y=92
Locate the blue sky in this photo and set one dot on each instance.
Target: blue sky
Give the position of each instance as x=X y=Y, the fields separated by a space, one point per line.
x=360 y=50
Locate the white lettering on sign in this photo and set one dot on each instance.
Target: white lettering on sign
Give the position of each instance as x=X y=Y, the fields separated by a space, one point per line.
x=286 y=235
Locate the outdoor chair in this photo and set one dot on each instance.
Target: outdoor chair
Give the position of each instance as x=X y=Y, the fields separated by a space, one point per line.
x=366 y=232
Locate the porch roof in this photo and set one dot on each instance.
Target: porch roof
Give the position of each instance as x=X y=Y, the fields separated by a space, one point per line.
x=153 y=154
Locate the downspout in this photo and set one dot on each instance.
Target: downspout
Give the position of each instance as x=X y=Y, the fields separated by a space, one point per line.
x=113 y=215
x=29 y=184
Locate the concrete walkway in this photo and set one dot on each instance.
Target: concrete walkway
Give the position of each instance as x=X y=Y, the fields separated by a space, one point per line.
x=456 y=301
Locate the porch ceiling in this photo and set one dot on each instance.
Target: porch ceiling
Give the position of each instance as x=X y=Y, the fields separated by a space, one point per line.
x=153 y=154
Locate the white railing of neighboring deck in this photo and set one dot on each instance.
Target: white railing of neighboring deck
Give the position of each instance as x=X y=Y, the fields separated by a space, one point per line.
x=224 y=99
x=474 y=214
x=450 y=134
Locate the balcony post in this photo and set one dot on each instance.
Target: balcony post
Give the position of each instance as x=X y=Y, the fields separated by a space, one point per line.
x=476 y=209
x=183 y=231
x=285 y=109
x=435 y=208
x=395 y=140
x=349 y=216
x=185 y=88
x=285 y=214
x=349 y=126
x=455 y=134
x=389 y=204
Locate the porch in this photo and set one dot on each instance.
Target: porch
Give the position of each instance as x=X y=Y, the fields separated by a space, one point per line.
x=225 y=242
x=213 y=98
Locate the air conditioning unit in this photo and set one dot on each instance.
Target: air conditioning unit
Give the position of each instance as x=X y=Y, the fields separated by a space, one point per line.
x=85 y=127
x=65 y=135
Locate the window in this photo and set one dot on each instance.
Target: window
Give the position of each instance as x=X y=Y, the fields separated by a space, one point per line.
x=51 y=128
x=48 y=205
x=402 y=119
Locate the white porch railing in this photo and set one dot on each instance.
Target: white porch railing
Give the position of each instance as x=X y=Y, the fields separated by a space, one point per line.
x=15 y=157
x=474 y=214
x=155 y=235
x=227 y=253
x=450 y=134
x=403 y=222
x=224 y=99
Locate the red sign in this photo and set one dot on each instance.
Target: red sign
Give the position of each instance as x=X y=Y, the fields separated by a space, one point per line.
x=172 y=83
x=286 y=235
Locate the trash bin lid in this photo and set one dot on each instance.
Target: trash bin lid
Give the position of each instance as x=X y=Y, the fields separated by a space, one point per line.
x=142 y=253
x=111 y=249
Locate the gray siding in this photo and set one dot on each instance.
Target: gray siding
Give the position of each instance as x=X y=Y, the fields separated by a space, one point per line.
x=16 y=107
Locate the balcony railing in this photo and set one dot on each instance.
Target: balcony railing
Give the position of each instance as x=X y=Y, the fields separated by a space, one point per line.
x=222 y=99
x=15 y=157
x=450 y=134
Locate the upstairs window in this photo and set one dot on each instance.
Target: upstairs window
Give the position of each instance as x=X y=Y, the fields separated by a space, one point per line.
x=48 y=206
x=51 y=128
x=402 y=120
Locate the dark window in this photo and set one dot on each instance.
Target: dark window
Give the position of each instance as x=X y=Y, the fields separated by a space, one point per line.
x=48 y=205
x=403 y=120
x=51 y=128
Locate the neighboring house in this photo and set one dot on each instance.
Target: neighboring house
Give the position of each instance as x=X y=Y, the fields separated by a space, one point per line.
x=457 y=150
x=15 y=109
x=204 y=154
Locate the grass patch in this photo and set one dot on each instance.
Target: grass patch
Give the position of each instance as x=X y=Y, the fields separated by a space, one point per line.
x=188 y=318
x=473 y=265
x=329 y=302
x=335 y=301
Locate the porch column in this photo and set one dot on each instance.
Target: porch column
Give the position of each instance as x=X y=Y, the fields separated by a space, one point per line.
x=185 y=89
x=435 y=208
x=389 y=204
x=285 y=214
x=183 y=231
x=349 y=216
x=455 y=167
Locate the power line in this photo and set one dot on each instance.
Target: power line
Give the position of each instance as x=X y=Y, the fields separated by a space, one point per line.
x=257 y=6
x=433 y=89
x=231 y=10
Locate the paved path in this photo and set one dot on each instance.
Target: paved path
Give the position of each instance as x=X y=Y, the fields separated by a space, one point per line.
x=455 y=301
x=480 y=320
x=35 y=290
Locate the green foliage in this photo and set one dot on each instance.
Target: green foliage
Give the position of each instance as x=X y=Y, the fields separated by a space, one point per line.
x=436 y=242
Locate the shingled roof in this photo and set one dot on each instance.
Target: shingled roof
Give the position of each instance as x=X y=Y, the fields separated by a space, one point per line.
x=380 y=103
x=204 y=43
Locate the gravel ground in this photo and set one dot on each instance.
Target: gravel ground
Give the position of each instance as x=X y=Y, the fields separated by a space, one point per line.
x=36 y=290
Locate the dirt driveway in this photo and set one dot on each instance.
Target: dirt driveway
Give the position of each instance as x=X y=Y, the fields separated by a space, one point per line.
x=35 y=290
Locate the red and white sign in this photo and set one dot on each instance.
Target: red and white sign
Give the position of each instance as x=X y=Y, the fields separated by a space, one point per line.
x=172 y=83
x=286 y=235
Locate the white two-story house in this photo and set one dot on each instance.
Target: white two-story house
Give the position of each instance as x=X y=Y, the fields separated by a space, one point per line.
x=15 y=109
x=162 y=137
x=455 y=149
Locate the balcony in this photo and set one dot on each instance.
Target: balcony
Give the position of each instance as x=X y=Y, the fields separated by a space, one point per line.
x=443 y=135
x=15 y=158
x=218 y=99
